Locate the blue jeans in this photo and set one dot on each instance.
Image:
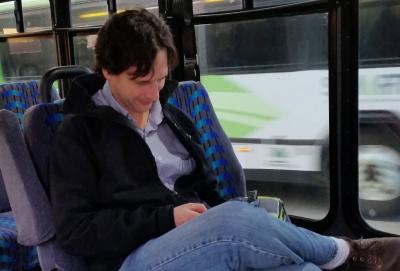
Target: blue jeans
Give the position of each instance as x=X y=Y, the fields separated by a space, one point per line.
x=233 y=236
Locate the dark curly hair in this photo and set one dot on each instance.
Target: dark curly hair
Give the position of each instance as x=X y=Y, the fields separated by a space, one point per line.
x=133 y=38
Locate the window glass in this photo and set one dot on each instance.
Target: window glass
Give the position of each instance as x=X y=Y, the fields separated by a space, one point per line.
x=88 y=12
x=84 y=50
x=267 y=3
x=379 y=103
x=150 y=5
x=268 y=81
x=208 y=6
x=36 y=15
x=7 y=19
x=26 y=58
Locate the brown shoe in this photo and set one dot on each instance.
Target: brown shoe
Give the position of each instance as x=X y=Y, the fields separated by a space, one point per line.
x=376 y=254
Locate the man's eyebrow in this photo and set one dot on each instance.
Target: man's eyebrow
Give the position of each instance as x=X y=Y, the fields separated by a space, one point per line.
x=131 y=73
x=141 y=79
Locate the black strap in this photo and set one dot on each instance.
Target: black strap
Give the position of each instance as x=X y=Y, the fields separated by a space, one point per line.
x=182 y=12
x=111 y=6
x=19 y=19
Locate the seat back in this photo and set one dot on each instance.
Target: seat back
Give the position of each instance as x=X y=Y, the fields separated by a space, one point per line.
x=192 y=98
x=29 y=201
x=16 y=165
x=16 y=97
x=40 y=123
x=20 y=175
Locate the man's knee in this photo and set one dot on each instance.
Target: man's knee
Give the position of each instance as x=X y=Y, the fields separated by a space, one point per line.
x=235 y=215
x=227 y=212
x=234 y=208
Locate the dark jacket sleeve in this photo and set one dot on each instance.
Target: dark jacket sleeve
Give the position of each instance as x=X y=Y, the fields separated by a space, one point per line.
x=83 y=227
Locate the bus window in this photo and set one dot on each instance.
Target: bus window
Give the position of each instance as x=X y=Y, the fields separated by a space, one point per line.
x=199 y=6
x=208 y=6
x=36 y=15
x=266 y=3
x=7 y=20
x=88 y=12
x=379 y=103
x=151 y=5
x=1 y=74
x=27 y=58
x=268 y=81
x=84 y=50
x=94 y=12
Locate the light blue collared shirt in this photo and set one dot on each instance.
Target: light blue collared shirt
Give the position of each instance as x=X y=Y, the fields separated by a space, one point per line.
x=172 y=159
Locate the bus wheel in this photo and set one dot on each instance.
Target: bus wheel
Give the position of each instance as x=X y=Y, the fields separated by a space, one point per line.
x=379 y=170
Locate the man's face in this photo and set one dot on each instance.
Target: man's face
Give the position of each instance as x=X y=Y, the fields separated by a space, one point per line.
x=136 y=95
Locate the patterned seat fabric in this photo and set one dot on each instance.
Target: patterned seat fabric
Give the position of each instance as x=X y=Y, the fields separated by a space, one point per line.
x=19 y=96
x=13 y=256
x=192 y=98
x=15 y=97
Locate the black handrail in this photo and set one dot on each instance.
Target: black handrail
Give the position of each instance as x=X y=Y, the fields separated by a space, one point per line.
x=56 y=73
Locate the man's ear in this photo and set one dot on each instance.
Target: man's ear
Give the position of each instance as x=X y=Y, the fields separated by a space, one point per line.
x=106 y=74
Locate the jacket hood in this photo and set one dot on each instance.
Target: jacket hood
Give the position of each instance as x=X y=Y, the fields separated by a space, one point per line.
x=79 y=97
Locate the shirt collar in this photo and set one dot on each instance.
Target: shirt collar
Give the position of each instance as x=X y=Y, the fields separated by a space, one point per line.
x=110 y=100
x=104 y=97
x=156 y=114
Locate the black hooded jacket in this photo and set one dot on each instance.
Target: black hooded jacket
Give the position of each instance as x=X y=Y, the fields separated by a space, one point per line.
x=107 y=196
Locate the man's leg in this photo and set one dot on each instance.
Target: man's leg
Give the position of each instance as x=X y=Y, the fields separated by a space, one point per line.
x=232 y=236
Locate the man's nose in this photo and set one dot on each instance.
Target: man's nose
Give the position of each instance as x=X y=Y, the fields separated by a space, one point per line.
x=154 y=91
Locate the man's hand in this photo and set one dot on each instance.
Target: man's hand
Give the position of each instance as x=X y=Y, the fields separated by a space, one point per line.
x=185 y=212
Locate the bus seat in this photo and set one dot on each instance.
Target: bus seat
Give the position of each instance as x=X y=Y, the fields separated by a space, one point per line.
x=40 y=123
x=14 y=256
x=17 y=97
x=192 y=98
x=55 y=73
x=29 y=202
x=28 y=199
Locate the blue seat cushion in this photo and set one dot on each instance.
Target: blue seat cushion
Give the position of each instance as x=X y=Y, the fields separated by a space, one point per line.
x=14 y=256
